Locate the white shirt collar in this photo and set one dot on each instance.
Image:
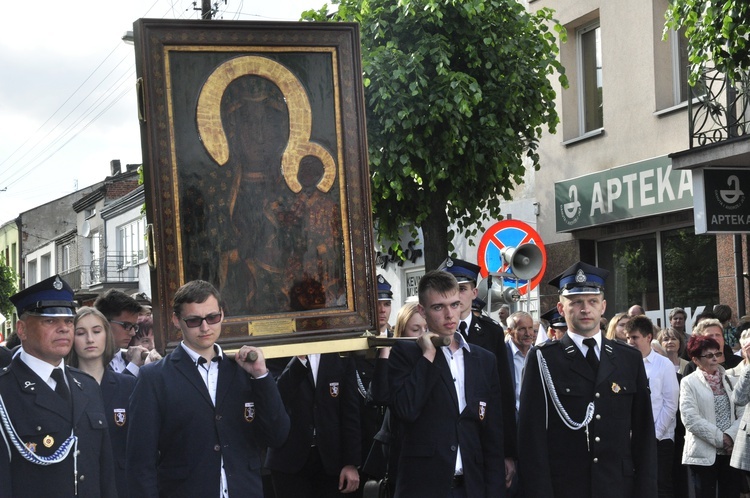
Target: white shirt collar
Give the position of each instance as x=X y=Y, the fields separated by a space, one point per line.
x=39 y=367
x=578 y=339
x=195 y=356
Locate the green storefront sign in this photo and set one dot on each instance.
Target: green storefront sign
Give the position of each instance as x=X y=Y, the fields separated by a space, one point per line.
x=645 y=188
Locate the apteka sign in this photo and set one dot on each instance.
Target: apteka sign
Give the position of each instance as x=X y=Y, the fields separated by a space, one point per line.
x=645 y=188
x=721 y=203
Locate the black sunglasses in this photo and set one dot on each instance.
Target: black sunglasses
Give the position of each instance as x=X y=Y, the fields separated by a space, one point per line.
x=127 y=325
x=195 y=321
x=711 y=355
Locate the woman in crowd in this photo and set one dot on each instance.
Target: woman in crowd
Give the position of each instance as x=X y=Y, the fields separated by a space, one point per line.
x=93 y=349
x=711 y=422
x=616 y=329
x=383 y=456
x=674 y=345
x=741 y=395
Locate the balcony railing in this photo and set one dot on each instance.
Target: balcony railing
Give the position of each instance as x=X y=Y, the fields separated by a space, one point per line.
x=721 y=111
x=113 y=267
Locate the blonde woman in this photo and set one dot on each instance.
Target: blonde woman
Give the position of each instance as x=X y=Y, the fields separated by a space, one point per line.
x=93 y=349
x=616 y=328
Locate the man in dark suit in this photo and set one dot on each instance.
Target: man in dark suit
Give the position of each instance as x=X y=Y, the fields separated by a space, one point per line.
x=485 y=332
x=5 y=356
x=585 y=416
x=199 y=419
x=321 y=455
x=447 y=401
x=49 y=404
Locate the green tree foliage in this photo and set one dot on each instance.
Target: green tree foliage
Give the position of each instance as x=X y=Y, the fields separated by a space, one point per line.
x=457 y=94
x=7 y=289
x=717 y=34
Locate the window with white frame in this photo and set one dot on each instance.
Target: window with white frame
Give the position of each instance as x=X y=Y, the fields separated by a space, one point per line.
x=590 y=102
x=131 y=242
x=65 y=258
x=31 y=277
x=45 y=266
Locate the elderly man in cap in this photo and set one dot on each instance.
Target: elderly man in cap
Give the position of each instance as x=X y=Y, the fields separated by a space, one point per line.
x=486 y=333
x=55 y=440
x=585 y=412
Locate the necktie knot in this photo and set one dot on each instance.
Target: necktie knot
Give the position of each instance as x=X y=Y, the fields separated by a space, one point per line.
x=61 y=387
x=591 y=357
x=462 y=328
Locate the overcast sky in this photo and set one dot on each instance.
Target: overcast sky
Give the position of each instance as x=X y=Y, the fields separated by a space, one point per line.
x=67 y=90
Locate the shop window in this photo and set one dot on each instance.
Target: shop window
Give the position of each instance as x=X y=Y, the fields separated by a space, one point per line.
x=691 y=275
x=661 y=271
x=634 y=273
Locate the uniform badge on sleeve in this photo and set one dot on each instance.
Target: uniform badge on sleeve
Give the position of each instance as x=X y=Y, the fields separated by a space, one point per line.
x=249 y=411
x=482 y=410
x=120 y=417
x=333 y=388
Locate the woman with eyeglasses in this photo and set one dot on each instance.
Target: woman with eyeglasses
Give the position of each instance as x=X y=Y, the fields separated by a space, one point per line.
x=93 y=349
x=711 y=419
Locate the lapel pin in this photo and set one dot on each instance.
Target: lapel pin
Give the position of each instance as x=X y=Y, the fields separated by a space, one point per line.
x=615 y=387
x=48 y=441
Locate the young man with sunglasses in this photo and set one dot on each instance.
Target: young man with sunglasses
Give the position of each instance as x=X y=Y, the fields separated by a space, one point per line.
x=122 y=311
x=199 y=419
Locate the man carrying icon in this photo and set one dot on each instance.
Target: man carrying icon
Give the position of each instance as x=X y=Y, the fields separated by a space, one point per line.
x=198 y=419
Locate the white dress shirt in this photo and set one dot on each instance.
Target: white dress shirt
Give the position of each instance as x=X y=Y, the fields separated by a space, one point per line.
x=665 y=392
x=455 y=361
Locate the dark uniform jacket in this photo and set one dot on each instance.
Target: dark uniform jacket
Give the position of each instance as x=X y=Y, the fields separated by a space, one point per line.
x=325 y=414
x=488 y=334
x=177 y=437
x=617 y=458
x=5 y=356
x=43 y=422
x=424 y=400
x=116 y=391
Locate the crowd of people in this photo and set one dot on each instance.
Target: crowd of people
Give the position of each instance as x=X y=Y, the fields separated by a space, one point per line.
x=457 y=405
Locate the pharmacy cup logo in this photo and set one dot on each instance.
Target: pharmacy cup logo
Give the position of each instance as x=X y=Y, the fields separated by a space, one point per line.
x=571 y=211
x=733 y=197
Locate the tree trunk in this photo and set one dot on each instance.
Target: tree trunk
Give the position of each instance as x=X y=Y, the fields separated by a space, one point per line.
x=435 y=232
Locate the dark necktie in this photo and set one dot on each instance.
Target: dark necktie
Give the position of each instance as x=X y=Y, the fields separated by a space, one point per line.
x=591 y=354
x=61 y=388
x=462 y=329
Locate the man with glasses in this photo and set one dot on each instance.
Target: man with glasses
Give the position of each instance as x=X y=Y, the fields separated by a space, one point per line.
x=122 y=311
x=198 y=419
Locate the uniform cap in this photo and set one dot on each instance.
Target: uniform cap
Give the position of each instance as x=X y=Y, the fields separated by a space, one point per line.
x=580 y=278
x=462 y=270
x=384 y=289
x=555 y=319
x=50 y=297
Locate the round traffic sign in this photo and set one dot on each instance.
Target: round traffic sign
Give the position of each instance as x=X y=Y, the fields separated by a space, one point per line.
x=504 y=235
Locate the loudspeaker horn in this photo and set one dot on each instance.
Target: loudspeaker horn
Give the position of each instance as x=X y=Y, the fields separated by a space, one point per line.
x=525 y=261
x=497 y=295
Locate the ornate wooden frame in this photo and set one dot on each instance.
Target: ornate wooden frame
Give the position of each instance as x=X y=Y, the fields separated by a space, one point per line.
x=256 y=178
